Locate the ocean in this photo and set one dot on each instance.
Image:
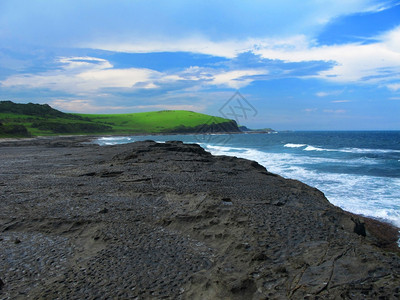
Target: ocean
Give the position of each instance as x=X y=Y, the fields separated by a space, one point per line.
x=358 y=171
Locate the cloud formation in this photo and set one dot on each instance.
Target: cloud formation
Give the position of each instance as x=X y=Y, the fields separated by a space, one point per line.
x=287 y=42
x=88 y=75
x=151 y=22
x=82 y=75
x=149 y=54
x=372 y=63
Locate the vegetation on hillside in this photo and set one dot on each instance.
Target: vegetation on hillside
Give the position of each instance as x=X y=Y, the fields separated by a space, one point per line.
x=13 y=130
x=22 y=120
x=34 y=110
x=166 y=121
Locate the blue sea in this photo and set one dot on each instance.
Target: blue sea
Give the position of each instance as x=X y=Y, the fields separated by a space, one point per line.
x=358 y=171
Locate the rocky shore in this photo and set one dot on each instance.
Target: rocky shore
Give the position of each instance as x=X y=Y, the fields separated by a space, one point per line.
x=171 y=221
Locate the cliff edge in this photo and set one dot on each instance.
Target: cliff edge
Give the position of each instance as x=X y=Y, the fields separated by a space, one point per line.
x=169 y=220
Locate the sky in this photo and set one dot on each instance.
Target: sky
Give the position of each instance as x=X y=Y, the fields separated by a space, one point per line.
x=292 y=65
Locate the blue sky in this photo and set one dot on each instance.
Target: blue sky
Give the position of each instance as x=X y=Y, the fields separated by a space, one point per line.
x=302 y=65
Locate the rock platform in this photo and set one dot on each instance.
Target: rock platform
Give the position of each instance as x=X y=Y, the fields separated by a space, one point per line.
x=171 y=221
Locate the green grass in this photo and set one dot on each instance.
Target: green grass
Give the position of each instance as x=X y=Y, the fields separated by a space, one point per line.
x=38 y=125
x=153 y=122
x=56 y=123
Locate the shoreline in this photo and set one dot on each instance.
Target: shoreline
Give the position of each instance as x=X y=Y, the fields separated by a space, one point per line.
x=94 y=136
x=171 y=220
x=360 y=215
x=77 y=140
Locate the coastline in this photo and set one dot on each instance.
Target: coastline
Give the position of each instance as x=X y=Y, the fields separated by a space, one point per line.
x=96 y=136
x=79 y=140
x=225 y=221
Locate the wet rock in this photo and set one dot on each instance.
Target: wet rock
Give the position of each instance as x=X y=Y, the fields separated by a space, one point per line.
x=359 y=227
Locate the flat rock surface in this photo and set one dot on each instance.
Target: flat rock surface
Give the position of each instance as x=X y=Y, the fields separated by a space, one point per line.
x=171 y=221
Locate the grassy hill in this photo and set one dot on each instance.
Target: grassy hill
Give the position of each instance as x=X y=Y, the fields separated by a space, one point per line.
x=19 y=120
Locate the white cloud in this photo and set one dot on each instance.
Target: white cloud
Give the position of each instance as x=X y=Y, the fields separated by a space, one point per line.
x=335 y=111
x=329 y=93
x=229 y=28
x=79 y=105
x=228 y=48
x=233 y=78
x=201 y=45
x=133 y=22
x=236 y=79
x=89 y=75
x=340 y=101
x=394 y=86
x=116 y=78
x=373 y=63
x=322 y=94
x=84 y=75
x=309 y=110
x=84 y=63
x=358 y=63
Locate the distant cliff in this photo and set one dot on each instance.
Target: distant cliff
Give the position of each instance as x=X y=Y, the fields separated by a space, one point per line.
x=248 y=130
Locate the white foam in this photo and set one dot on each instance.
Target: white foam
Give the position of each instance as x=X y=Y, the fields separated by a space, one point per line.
x=366 y=150
x=222 y=150
x=111 y=138
x=345 y=150
x=348 y=150
x=367 y=195
x=114 y=140
x=312 y=148
x=289 y=145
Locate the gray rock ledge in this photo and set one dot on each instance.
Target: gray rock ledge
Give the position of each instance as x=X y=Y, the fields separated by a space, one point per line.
x=151 y=221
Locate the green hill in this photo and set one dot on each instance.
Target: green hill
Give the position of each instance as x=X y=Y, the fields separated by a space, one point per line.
x=21 y=120
x=32 y=109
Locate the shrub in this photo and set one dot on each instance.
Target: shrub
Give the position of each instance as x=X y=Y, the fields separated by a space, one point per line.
x=13 y=130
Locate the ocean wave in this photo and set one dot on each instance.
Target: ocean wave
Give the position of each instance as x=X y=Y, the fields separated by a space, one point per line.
x=365 y=150
x=362 y=194
x=222 y=149
x=289 y=145
x=312 y=148
x=344 y=150
x=389 y=215
x=113 y=140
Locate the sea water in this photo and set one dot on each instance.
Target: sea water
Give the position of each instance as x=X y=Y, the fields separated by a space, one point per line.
x=358 y=171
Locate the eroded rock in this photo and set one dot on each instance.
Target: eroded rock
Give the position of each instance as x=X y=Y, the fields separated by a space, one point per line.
x=149 y=220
